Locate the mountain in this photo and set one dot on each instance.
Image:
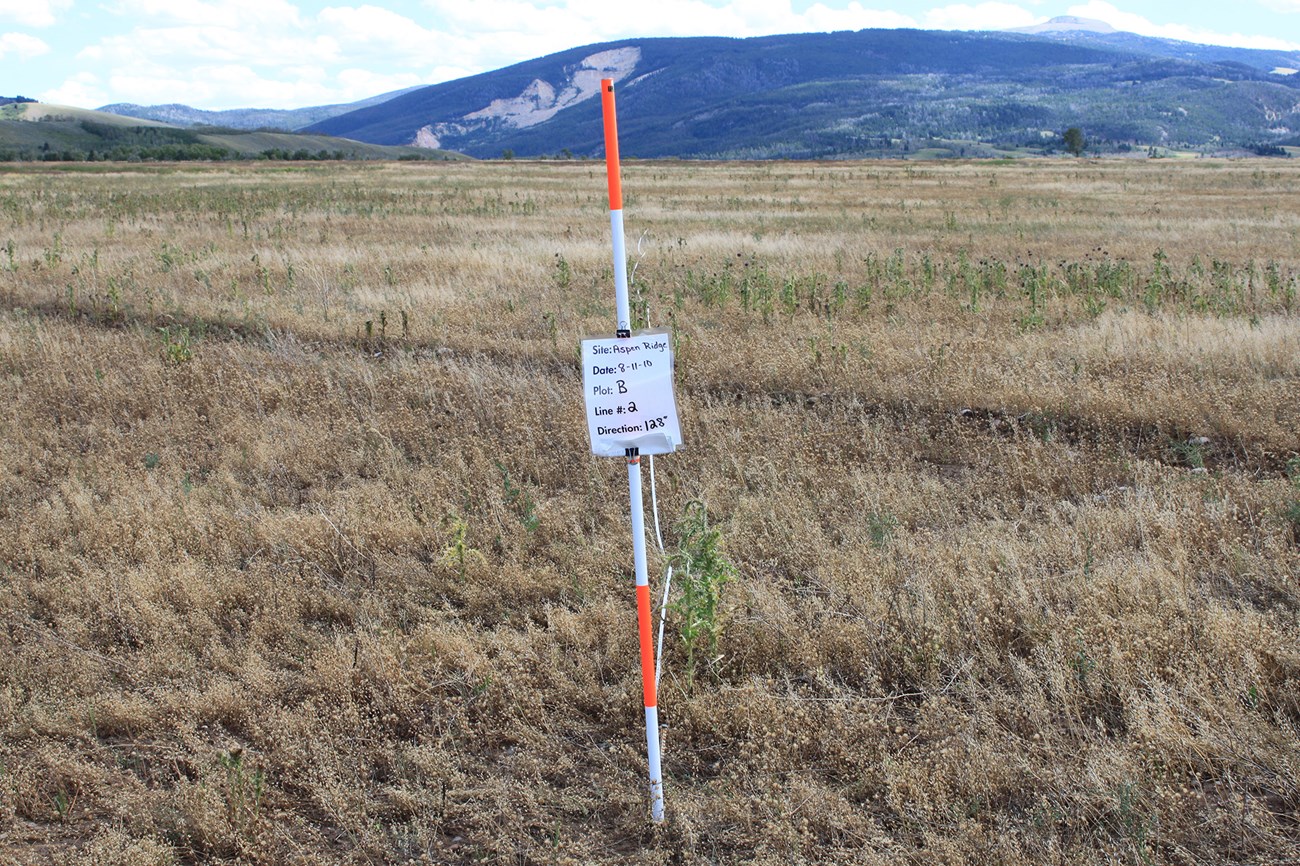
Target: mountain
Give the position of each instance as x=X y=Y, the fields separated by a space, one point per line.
x=39 y=131
x=1099 y=34
x=1067 y=24
x=865 y=93
x=245 y=118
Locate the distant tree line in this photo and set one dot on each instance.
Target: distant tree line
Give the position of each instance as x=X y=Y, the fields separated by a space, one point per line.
x=181 y=152
x=15 y=100
x=1269 y=150
x=302 y=154
x=120 y=153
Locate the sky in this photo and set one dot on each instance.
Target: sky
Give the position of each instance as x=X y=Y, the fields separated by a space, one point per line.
x=218 y=54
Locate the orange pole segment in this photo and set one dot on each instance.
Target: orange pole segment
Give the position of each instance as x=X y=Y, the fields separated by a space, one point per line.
x=611 y=144
x=647 y=648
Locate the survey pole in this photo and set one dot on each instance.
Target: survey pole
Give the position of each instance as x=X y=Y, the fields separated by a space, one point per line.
x=633 y=456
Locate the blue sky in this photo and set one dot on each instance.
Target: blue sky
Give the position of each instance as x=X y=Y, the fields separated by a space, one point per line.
x=292 y=53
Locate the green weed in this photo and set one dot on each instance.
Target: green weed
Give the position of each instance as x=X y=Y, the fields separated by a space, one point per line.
x=245 y=790
x=458 y=554
x=880 y=528
x=177 y=346
x=518 y=499
x=705 y=570
x=562 y=272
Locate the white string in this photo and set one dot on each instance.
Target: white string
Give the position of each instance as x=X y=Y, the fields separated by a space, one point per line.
x=654 y=505
x=663 y=610
x=631 y=277
x=654 y=496
x=668 y=574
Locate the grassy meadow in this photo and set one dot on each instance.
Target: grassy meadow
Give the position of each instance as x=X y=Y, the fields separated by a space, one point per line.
x=304 y=560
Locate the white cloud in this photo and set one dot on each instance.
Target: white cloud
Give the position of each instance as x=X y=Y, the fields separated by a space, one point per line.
x=354 y=84
x=575 y=22
x=985 y=16
x=216 y=87
x=449 y=73
x=33 y=13
x=1133 y=23
x=243 y=53
x=22 y=46
x=366 y=32
x=162 y=79
x=487 y=34
x=83 y=90
x=852 y=17
x=247 y=15
x=184 y=46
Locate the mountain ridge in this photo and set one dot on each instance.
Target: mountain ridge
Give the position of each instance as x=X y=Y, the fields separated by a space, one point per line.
x=287 y=119
x=863 y=93
x=39 y=131
x=1066 y=24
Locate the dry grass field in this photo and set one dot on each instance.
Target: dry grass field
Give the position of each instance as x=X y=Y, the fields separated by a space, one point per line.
x=303 y=558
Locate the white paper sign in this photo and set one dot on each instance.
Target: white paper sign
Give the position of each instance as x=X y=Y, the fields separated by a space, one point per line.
x=628 y=384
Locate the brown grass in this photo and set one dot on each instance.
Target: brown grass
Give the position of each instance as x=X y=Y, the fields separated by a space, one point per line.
x=1001 y=452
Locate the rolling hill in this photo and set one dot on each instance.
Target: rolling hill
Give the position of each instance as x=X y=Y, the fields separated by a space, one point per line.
x=245 y=118
x=866 y=93
x=39 y=131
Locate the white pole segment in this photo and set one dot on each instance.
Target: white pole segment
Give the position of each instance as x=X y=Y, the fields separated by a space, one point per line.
x=638 y=523
x=621 y=303
x=656 y=775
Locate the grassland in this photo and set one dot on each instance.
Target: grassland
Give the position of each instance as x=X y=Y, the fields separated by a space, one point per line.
x=303 y=558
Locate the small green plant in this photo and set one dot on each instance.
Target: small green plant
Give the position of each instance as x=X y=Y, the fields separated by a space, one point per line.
x=705 y=570
x=640 y=309
x=519 y=499
x=54 y=252
x=1093 y=306
x=1132 y=820
x=458 y=554
x=113 y=311
x=1034 y=283
x=562 y=273
x=1159 y=284
x=177 y=345
x=64 y=801
x=880 y=528
x=1190 y=453
x=167 y=257
x=245 y=789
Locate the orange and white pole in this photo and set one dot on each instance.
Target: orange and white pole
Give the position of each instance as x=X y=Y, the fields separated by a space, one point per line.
x=623 y=311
